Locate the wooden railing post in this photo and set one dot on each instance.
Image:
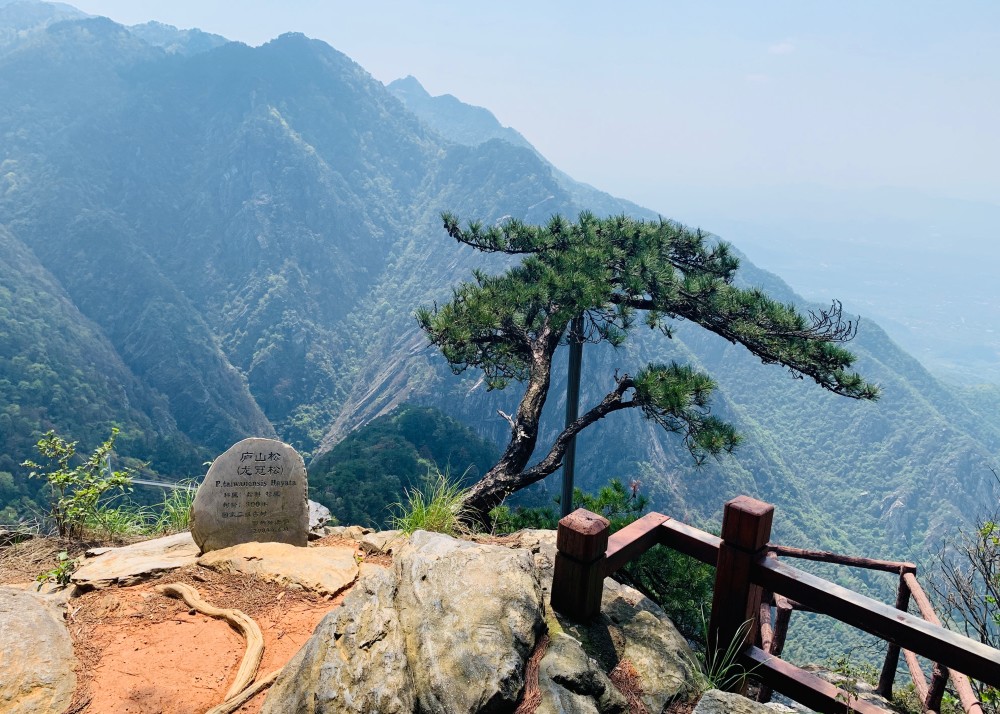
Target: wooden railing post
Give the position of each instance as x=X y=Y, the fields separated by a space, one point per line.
x=578 y=580
x=746 y=528
x=888 y=676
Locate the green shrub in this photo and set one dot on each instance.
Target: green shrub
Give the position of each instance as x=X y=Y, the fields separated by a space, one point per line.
x=76 y=491
x=61 y=573
x=118 y=522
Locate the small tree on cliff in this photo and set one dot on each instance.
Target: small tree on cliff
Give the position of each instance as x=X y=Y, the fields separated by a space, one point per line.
x=609 y=271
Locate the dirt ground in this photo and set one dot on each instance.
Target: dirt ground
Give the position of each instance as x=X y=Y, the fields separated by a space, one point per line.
x=141 y=652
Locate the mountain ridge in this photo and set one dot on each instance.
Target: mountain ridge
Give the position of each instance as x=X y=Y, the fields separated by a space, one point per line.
x=250 y=229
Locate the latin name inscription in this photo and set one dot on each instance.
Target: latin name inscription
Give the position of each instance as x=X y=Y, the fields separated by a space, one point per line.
x=253 y=498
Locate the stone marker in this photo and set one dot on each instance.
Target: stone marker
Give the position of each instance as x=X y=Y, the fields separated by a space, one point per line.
x=256 y=491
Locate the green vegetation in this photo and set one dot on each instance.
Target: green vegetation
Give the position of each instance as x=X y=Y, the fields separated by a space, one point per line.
x=435 y=506
x=967 y=585
x=607 y=272
x=681 y=585
x=76 y=492
x=138 y=289
x=375 y=466
x=718 y=667
x=61 y=573
x=173 y=514
x=85 y=495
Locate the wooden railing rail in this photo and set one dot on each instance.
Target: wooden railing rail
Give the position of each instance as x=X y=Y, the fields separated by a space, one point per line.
x=749 y=577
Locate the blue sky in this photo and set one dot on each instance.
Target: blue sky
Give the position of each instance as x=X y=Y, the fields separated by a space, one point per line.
x=652 y=100
x=852 y=147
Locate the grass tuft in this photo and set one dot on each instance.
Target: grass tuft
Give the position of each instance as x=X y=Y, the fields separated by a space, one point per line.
x=438 y=506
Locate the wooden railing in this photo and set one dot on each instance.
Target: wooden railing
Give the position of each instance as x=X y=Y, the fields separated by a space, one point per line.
x=750 y=579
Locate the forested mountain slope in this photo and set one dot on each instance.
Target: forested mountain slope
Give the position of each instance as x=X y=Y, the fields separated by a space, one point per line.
x=207 y=241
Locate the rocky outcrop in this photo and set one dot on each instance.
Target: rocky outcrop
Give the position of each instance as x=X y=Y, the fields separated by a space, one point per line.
x=133 y=563
x=630 y=627
x=570 y=682
x=326 y=571
x=448 y=630
x=36 y=655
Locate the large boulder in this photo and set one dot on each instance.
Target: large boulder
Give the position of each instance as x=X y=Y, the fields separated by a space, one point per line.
x=36 y=655
x=448 y=630
x=256 y=491
x=356 y=660
x=570 y=682
x=471 y=613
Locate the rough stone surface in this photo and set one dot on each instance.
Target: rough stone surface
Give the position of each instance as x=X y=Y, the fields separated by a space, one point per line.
x=134 y=563
x=255 y=491
x=382 y=541
x=633 y=627
x=715 y=702
x=326 y=571
x=447 y=631
x=36 y=656
x=570 y=682
x=355 y=661
x=319 y=516
x=471 y=614
x=349 y=532
x=658 y=651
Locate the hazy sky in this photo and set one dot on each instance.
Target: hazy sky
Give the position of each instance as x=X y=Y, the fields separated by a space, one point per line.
x=667 y=102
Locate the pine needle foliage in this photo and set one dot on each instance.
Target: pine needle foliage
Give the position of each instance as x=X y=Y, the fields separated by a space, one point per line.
x=612 y=272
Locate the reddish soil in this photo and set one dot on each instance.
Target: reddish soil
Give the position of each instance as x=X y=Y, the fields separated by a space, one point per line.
x=141 y=652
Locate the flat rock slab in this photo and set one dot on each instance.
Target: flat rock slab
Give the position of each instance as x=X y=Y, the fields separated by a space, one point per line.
x=715 y=702
x=382 y=541
x=36 y=655
x=326 y=571
x=134 y=563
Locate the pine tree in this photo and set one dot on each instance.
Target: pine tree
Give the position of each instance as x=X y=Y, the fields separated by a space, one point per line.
x=612 y=271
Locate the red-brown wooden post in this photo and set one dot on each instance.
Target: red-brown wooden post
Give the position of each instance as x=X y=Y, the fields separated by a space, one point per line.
x=578 y=580
x=746 y=528
x=888 y=676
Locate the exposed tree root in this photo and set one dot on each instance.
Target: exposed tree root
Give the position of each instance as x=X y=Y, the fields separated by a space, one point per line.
x=231 y=705
x=239 y=620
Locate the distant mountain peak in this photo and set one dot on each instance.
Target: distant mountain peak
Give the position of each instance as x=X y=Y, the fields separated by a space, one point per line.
x=177 y=41
x=452 y=118
x=408 y=85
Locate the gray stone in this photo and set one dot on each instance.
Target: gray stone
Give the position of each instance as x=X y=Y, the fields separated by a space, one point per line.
x=326 y=571
x=133 y=563
x=382 y=541
x=447 y=630
x=570 y=682
x=319 y=516
x=632 y=627
x=716 y=702
x=255 y=491
x=471 y=613
x=348 y=532
x=36 y=655
x=355 y=661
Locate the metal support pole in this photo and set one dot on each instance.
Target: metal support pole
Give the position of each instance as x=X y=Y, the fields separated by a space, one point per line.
x=572 y=410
